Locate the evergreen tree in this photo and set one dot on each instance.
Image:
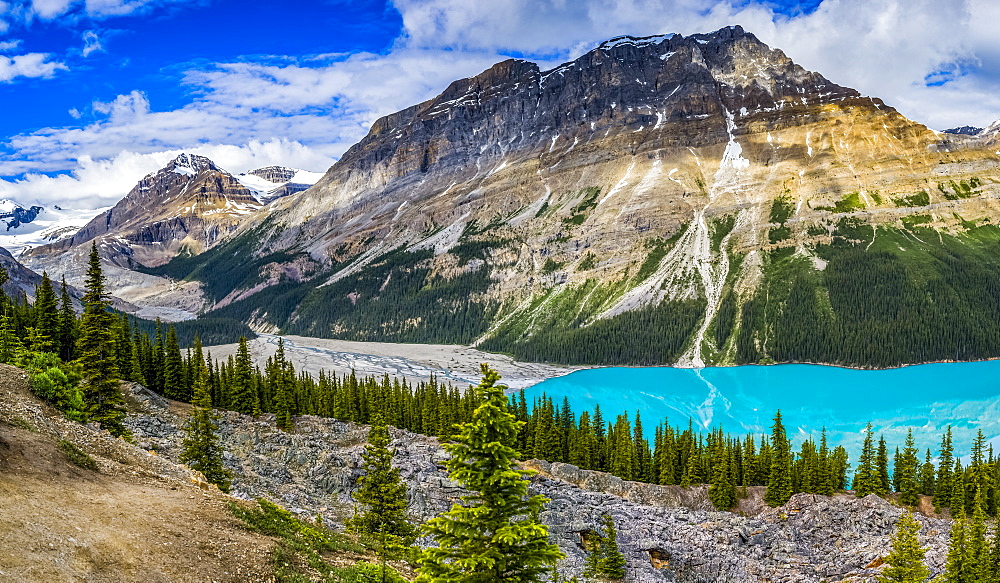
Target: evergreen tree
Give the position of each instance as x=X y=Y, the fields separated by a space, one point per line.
x=722 y=492
x=955 y=568
x=779 y=483
x=67 y=324
x=96 y=350
x=202 y=450
x=46 y=315
x=906 y=560
x=494 y=536
x=604 y=560
x=906 y=472
x=382 y=521
x=173 y=368
x=243 y=393
x=866 y=478
x=942 y=489
x=882 y=467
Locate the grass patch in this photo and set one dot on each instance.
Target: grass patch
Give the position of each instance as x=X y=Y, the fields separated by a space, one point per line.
x=919 y=199
x=77 y=456
x=588 y=262
x=778 y=234
x=781 y=209
x=298 y=556
x=550 y=265
x=657 y=251
x=952 y=190
x=914 y=220
x=850 y=202
x=718 y=228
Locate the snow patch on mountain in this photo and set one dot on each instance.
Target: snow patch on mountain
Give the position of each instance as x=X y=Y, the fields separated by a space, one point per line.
x=273 y=182
x=51 y=224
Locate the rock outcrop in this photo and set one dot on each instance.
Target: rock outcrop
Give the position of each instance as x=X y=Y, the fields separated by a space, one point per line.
x=667 y=533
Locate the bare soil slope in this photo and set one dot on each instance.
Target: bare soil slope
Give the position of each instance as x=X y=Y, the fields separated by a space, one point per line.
x=138 y=517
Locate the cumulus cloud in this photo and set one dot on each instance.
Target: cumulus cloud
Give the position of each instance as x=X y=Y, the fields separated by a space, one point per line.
x=28 y=65
x=9 y=45
x=885 y=48
x=937 y=61
x=96 y=182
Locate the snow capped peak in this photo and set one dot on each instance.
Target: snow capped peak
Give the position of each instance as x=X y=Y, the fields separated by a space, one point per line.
x=635 y=41
x=190 y=164
x=272 y=182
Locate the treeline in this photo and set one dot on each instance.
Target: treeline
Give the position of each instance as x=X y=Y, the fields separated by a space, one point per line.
x=914 y=296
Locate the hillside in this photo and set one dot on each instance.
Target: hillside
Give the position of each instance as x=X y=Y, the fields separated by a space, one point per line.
x=741 y=208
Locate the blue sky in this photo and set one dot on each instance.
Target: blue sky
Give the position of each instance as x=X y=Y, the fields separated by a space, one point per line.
x=97 y=93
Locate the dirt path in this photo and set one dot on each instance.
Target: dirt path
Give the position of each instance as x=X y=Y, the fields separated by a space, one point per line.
x=138 y=518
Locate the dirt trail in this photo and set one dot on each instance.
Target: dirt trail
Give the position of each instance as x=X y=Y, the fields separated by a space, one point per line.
x=137 y=518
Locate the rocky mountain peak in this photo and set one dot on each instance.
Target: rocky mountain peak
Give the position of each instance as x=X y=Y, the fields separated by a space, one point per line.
x=190 y=164
x=275 y=174
x=963 y=131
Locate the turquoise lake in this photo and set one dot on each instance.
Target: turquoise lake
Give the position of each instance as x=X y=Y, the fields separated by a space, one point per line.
x=926 y=397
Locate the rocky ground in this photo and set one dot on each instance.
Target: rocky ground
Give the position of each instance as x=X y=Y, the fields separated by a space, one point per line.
x=450 y=363
x=667 y=533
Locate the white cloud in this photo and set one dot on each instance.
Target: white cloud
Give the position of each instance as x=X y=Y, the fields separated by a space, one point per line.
x=9 y=45
x=28 y=65
x=305 y=111
x=883 y=48
x=91 y=43
x=96 y=183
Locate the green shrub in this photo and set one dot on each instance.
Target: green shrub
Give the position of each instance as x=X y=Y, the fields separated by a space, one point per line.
x=369 y=573
x=77 y=456
x=55 y=382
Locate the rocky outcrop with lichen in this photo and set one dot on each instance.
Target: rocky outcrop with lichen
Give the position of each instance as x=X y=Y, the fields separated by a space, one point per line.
x=667 y=533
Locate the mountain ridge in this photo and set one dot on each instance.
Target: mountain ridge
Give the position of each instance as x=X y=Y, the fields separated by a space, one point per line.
x=675 y=181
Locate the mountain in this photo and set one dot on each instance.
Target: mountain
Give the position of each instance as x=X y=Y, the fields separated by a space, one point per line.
x=273 y=182
x=14 y=214
x=964 y=130
x=183 y=207
x=671 y=199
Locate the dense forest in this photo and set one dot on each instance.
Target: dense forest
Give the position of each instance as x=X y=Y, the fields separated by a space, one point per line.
x=866 y=296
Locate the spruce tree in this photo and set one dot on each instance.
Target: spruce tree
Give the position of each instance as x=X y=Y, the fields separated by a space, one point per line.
x=955 y=568
x=610 y=562
x=779 y=482
x=46 y=314
x=882 y=467
x=906 y=472
x=96 y=354
x=67 y=324
x=173 y=368
x=243 y=392
x=722 y=492
x=381 y=521
x=202 y=449
x=494 y=535
x=866 y=478
x=942 y=489
x=906 y=560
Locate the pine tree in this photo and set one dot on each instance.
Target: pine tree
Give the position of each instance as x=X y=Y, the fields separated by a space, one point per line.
x=202 y=450
x=722 y=492
x=173 y=368
x=96 y=350
x=866 y=478
x=779 y=482
x=906 y=473
x=955 y=568
x=67 y=324
x=906 y=560
x=494 y=536
x=46 y=315
x=942 y=489
x=243 y=393
x=382 y=521
x=882 y=467
x=610 y=560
